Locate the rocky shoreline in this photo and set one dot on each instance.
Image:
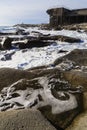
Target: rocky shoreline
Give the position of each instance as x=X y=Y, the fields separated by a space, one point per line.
x=47 y=97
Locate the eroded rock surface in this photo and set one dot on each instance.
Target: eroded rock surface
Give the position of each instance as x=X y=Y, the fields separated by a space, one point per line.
x=55 y=92
x=45 y=91
x=24 y=120
x=77 y=56
x=79 y=123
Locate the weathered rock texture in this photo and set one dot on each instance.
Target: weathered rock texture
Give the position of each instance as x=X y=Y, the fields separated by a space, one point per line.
x=79 y=123
x=76 y=78
x=45 y=91
x=79 y=57
x=55 y=92
x=38 y=40
x=24 y=120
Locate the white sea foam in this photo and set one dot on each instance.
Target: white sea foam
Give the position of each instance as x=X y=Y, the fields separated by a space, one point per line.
x=44 y=55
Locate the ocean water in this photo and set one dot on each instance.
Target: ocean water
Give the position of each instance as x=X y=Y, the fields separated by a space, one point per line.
x=7 y=29
x=40 y=56
x=4 y=27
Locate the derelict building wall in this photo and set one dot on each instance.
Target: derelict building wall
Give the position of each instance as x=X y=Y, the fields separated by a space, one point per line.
x=62 y=16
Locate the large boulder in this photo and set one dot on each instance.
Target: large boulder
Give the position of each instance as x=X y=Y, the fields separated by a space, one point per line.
x=78 y=56
x=61 y=38
x=45 y=91
x=32 y=42
x=24 y=120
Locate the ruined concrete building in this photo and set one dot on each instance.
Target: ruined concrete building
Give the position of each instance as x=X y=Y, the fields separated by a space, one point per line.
x=63 y=16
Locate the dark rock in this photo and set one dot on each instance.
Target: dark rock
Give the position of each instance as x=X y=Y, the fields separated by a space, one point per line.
x=78 y=56
x=62 y=51
x=6 y=43
x=64 y=97
x=69 y=39
x=61 y=38
x=37 y=43
x=7 y=56
x=34 y=42
x=58 y=119
x=22 y=45
x=79 y=123
x=19 y=31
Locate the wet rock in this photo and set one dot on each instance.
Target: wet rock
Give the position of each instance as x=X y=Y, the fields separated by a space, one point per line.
x=23 y=44
x=24 y=120
x=6 y=43
x=59 y=119
x=37 y=43
x=36 y=33
x=69 y=39
x=62 y=51
x=78 y=56
x=61 y=38
x=20 y=31
x=7 y=56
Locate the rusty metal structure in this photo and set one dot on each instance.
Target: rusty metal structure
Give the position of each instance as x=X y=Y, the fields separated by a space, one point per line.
x=64 y=16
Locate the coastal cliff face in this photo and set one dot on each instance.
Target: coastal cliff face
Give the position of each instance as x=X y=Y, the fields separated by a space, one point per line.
x=43 y=79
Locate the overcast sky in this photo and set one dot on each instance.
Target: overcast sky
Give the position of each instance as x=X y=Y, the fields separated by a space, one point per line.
x=32 y=11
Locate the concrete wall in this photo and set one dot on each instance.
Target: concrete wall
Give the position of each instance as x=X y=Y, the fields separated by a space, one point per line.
x=62 y=16
x=81 y=12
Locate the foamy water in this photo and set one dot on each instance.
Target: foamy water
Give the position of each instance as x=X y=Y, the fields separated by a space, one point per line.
x=41 y=56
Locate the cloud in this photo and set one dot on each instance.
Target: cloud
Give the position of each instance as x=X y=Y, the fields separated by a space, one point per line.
x=32 y=11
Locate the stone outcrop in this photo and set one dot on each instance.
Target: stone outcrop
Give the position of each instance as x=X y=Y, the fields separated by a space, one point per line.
x=78 y=56
x=34 y=43
x=24 y=120
x=61 y=38
x=76 y=78
x=45 y=91
x=79 y=123
x=55 y=92
x=39 y=40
